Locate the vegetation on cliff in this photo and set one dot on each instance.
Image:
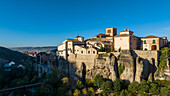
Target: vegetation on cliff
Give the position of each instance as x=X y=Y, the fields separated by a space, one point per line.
x=121 y=88
x=164 y=59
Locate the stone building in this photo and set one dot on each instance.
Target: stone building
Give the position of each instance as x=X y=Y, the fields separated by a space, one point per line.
x=126 y=40
x=152 y=42
x=68 y=46
x=111 y=41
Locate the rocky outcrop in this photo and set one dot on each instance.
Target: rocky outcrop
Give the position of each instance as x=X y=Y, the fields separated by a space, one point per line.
x=136 y=66
x=106 y=66
x=127 y=60
x=142 y=69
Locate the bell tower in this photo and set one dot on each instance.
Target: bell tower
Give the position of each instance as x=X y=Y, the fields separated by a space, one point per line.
x=111 y=31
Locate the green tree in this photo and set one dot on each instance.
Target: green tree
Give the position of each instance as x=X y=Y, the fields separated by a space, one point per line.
x=164 y=59
x=117 y=85
x=143 y=87
x=107 y=87
x=91 y=92
x=79 y=85
x=84 y=91
x=99 y=80
x=133 y=87
x=90 y=82
x=154 y=88
x=124 y=93
x=76 y=92
x=165 y=91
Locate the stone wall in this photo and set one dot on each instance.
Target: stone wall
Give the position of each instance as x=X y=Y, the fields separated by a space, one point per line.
x=148 y=55
x=138 y=64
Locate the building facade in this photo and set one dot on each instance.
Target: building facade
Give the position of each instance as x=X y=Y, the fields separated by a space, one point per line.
x=110 y=41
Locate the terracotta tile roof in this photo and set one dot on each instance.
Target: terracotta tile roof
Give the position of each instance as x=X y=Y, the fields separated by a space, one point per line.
x=127 y=30
x=151 y=36
x=74 y=40
x=102 y=35
x=78 y=36
x=124 y=35
x=121 y=35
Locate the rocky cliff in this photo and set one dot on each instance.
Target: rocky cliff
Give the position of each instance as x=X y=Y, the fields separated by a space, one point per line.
x=128 y=65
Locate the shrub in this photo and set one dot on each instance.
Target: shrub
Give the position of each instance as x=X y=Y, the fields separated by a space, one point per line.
x=90 y=82
x=79 y=85
x=107 y=87
x=117 y=85
x=141 y=94
x=124 y=93
x=143 y=87
x=107 y=51
x=165 y=91
x=76 y=92
x=119 y=49
x=133 y=87
x=121 y=68
x=118 y=57
x=84 y=91
x=91 y=92
x=141 y=48
x=154 y=88
x=99 y=80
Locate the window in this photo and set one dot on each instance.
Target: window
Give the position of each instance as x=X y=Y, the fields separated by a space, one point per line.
x=144 y=41
x=93 y=52
x=82 y=52
x=108 y=31
x=88 y=52
x=153 y=41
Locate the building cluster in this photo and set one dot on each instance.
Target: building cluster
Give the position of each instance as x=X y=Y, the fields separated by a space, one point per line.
x=110 y=42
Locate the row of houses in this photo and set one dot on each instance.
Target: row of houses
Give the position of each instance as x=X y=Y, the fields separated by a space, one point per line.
x=110 y=41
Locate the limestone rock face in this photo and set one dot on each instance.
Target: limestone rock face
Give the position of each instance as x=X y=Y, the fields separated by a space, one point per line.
x=127 y=61
x=107 y=67
x=139 y=69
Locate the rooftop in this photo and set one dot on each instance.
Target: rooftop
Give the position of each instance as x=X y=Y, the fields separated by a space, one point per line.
x=127 y=30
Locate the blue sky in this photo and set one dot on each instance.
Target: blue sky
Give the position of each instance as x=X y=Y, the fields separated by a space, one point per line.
x=49 y=22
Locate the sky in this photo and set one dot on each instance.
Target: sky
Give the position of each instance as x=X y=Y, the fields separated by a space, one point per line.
x=26 y=23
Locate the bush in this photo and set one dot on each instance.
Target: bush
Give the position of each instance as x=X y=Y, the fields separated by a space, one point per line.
x=90 y=82
x=91 y=92
x=79 y=85
x=99 y=80
x=76 y=92
x=154 y=88
x=133 y=87
x=165 y=91
x=141 y=48
x=117 y=85
x=141 y=94
x=121 y=68
x=124 y=93
x=84 y=91
x=107 y=87
x=119 y=49
x=143 y=87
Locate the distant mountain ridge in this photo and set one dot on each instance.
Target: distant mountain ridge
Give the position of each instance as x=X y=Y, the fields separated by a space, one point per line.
x=8 y=55
x=30 y=48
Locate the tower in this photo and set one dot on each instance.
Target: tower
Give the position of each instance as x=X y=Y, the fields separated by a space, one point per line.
x=111 y=31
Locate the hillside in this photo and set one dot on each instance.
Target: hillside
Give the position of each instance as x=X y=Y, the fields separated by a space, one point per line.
x=7 y=55
x=33 y=48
